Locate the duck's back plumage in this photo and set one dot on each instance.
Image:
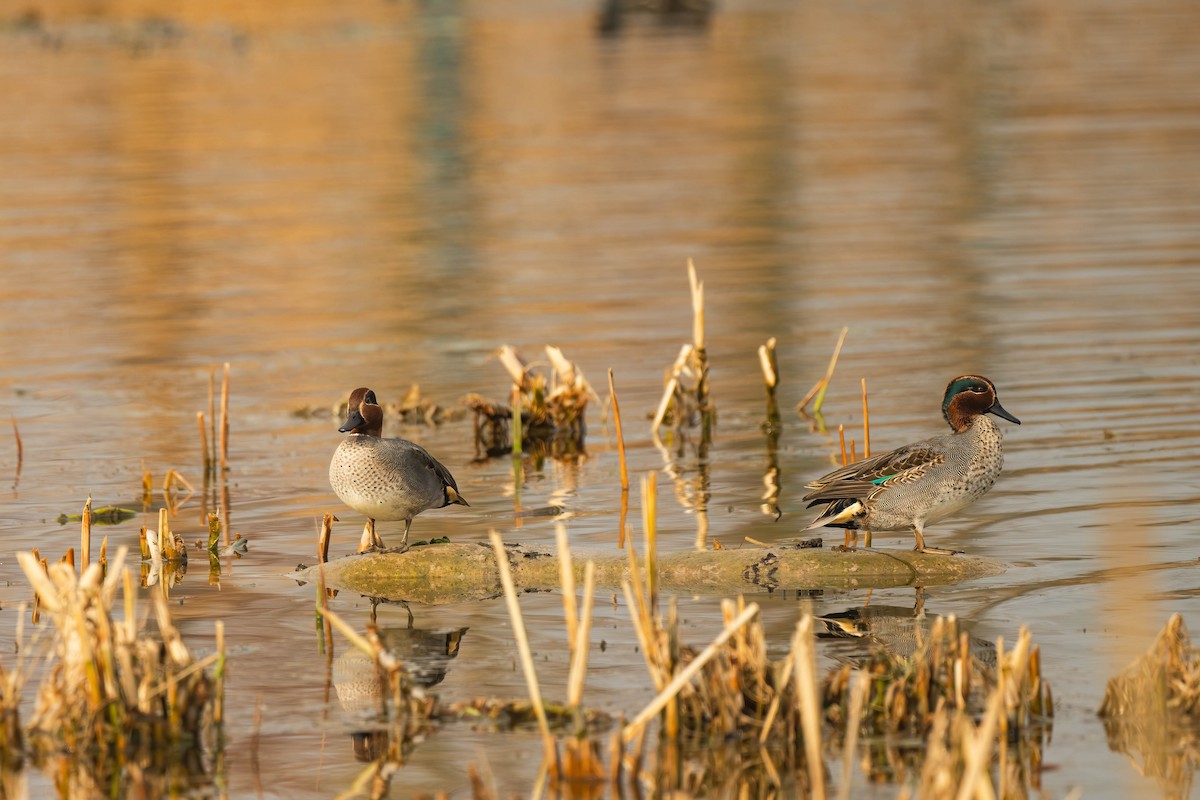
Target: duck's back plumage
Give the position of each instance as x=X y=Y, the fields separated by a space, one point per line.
x=390 y=479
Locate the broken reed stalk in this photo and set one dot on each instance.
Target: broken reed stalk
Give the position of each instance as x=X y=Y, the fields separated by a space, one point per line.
x=818 y=389
x=860 y=684
x=566 y=571
x=805 y=665
x=630 y=731
x=166 y=541
x=770 y=365
x=214 y=531
x=649 y=530
x=219 y=676
x=842 y=440
x=518 y=626
x=324 y=537
x=579 y=653
x=672 y=385
x=516 y=422
x=612 y=393
x=225 y=418
x=770 y=369
x=697 y=287
x=204 y=444
x=85 y=534
x=211 y=454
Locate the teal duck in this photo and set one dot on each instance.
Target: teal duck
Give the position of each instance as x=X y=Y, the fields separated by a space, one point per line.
x=386 y=479
x=923 y=482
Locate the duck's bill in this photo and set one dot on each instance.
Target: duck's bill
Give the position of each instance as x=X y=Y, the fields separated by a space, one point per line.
x=999 y=411
x=353 y=420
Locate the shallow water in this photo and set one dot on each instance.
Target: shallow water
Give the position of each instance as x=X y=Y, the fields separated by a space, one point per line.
x=385 y=194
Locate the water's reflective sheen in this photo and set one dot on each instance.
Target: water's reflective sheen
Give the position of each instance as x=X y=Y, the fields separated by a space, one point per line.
x=383 y=194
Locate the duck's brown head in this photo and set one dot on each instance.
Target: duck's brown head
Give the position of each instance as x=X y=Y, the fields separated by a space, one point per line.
x=971 y=396
x=363 y=414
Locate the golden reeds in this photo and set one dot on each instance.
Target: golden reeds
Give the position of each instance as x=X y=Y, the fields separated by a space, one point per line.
x=1151 y=710
x=616 y=407
x=116 y=695
x=685 y=400
x=821 y=386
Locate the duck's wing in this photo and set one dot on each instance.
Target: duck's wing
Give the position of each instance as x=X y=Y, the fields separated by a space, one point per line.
x=438 y=469
x=862 y=479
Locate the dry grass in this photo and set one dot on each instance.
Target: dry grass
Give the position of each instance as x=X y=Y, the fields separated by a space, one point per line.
x=1151 y=711
x=685 y=401
x=552 y=406
x=115 y=700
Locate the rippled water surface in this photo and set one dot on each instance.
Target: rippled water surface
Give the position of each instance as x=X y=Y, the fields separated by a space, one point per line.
x=383 y=194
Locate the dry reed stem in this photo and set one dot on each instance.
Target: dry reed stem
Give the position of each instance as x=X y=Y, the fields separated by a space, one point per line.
x=324 y=537
x=866 y=422
x=650 y=532
x=225 y=418
x=612 y=393
x=518 y=625
x=514 y=365
x=785 y=676
x=204 y=443
x=685 y=676
x=352 y=636
x=566 y=572
x=642 y=632
x=85 y=533
x=579 y=649
x=211 y=456
x=859 y=687
x=517 y=433
x=219 y=695
x=769 y=364
x=806 y=695
x=842 y=441
x=697 y=286
x=685 y=352
x=823 y=384
x=975 y=781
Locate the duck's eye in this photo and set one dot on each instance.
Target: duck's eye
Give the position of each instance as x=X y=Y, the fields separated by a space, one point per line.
x=978 y=389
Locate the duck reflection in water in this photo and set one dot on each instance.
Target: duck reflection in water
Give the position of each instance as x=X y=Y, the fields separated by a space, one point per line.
x=426 y=655
x=898 y=630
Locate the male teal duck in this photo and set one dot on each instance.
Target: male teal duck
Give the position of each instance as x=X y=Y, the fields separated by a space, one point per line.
x=386 y=479
x=922 y=482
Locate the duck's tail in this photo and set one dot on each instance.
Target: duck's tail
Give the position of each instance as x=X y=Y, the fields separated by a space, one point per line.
x=838 y=516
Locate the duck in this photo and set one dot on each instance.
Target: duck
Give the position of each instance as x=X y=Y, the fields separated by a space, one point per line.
x=386 y=479
x=923 y=482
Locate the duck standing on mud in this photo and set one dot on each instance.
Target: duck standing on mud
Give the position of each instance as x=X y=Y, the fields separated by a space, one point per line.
x=386 y=479
x=922 y=482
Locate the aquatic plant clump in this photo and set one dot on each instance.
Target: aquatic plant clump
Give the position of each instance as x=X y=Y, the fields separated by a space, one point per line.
x=115 y=698
x=1151 y=711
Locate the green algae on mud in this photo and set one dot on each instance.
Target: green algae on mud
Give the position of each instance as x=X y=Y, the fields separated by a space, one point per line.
x=454 y=572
